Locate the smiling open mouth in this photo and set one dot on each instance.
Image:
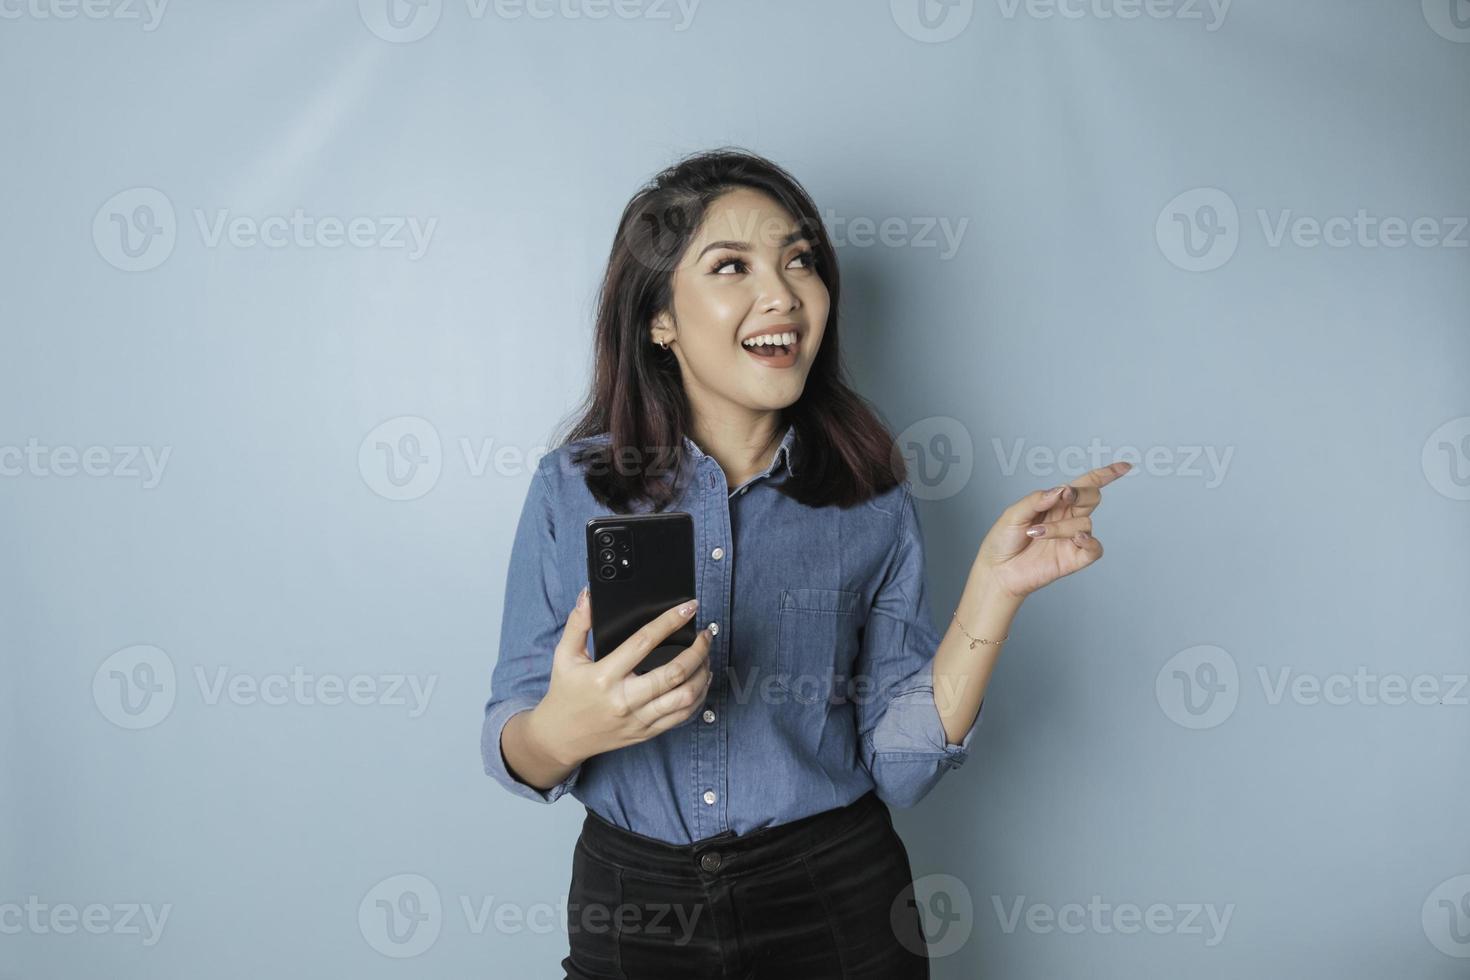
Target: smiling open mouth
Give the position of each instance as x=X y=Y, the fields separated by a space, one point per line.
x=774 y=350
x=771 y=350
x=773 y=354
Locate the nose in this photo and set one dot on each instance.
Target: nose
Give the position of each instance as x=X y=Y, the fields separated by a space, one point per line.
x=776 y=295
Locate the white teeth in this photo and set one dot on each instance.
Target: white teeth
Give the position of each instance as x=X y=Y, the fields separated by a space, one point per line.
x=787 y=339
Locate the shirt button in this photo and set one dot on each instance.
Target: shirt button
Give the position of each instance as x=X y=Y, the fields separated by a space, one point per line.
x=710 y=861
x=714 y=629
x=709 y=715
x=717 y=554
x=709 y=797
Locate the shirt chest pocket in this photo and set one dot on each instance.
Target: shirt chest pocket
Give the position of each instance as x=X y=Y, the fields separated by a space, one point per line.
x=818 y=640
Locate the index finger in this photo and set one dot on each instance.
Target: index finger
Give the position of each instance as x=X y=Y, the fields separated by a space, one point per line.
x=1103 y=475
x=640 y=689
x=630 y=652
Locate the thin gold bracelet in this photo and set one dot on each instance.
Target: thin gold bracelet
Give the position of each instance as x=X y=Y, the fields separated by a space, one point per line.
x=974 y=640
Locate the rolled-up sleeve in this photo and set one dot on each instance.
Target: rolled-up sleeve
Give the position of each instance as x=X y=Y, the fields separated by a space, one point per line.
x=902 y=738
x=535 y=612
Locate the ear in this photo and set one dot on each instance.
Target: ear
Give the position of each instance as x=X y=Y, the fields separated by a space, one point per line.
x=661 y=328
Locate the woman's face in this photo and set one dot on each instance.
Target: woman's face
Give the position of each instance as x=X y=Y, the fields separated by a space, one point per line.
x=745 y=275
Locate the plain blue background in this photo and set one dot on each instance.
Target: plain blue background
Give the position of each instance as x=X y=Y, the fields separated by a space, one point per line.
x=331 y=502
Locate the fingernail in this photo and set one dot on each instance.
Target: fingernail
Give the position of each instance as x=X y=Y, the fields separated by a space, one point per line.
x=1056 y=490
x=688 y=608
x=1036 y=530
x=1083 y=536
x=582 y=598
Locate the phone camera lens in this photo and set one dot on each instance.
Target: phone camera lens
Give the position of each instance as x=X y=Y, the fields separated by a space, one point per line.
x=607 y=555
x=605 y=538
x=607 y=572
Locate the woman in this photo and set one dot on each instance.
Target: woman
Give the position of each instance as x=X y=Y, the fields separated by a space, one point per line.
x=737 y=797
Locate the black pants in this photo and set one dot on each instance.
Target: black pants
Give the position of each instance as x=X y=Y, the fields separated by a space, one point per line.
x=826 y=896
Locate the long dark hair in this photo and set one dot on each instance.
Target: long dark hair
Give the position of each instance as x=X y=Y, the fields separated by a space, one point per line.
x=844 y=454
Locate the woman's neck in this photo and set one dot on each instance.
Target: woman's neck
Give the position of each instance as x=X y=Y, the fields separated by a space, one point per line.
x=744 y=447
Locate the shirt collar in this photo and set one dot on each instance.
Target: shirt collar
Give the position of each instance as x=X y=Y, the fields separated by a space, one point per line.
x=785 y=453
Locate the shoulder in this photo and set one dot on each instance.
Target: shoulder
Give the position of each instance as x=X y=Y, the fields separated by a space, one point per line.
x=565 y=464
x=894 y=501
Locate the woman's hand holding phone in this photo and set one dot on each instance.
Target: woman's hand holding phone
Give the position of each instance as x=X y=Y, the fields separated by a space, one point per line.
x=595 y=706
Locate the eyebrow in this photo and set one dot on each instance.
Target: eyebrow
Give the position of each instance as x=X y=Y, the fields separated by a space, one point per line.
x=795 y=236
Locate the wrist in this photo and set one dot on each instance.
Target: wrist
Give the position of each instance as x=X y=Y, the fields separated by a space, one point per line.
x=985 y=611
x=547 y=741
x=990 y=591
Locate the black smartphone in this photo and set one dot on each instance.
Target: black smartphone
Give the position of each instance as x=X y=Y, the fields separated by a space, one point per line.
x=638 y=566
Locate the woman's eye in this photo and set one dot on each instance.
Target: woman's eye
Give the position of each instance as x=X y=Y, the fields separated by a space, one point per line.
x=808 y=260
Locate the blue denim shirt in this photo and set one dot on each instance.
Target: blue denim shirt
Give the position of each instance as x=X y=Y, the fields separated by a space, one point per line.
x=822 y=655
